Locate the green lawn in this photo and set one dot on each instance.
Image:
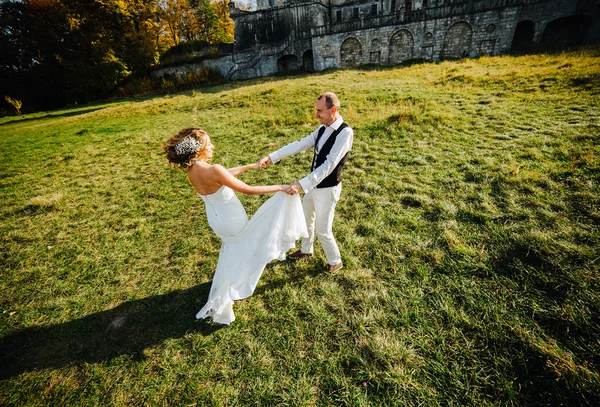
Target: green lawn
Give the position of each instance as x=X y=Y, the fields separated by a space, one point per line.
x=469 y=227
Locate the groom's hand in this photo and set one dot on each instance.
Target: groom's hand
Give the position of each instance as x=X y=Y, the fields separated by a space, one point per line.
x=294 y=188
x=264 y=162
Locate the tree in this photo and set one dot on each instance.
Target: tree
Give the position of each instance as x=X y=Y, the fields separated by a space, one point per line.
x=196 y=20
x=15 y=103
x=178 y=19
x=31 y=46
x=63 y=51
x=221 y=8
x=140 y=28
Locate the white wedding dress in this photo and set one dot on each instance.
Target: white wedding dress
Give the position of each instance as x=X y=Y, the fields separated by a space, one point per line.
x=248 y=245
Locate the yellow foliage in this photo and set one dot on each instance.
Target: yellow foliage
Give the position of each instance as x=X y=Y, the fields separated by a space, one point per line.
x=15 y=103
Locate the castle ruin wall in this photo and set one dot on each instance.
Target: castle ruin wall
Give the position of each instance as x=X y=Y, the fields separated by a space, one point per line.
x=291 y=35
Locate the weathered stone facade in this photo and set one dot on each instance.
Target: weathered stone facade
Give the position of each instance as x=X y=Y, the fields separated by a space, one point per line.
x=290 y=35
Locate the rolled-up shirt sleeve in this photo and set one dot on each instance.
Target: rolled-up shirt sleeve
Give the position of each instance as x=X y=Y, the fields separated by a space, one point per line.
x=343 y=144
x=294 y=147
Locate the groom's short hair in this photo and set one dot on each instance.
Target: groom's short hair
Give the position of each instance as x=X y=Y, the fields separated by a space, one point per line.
x=331 y=99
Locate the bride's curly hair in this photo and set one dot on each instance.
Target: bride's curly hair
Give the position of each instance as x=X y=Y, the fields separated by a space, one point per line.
x=185 y=160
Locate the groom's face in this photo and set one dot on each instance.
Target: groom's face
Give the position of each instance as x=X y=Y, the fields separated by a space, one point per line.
x=325 y=116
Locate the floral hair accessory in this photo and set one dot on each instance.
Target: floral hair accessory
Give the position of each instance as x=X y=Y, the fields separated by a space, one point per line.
x=187 y=146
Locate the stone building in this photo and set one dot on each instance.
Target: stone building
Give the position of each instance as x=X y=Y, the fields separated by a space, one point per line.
x=290 y=35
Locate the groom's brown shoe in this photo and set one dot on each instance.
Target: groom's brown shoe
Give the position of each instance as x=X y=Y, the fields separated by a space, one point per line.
x=332 y=269
x=297 y=255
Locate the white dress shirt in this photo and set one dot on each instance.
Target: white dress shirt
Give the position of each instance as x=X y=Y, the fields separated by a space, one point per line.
x=343 y=144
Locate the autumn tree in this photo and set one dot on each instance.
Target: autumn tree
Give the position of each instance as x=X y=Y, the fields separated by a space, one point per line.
x=63 y=51
x=196 y=20
x=221 y=8
x=177 y=18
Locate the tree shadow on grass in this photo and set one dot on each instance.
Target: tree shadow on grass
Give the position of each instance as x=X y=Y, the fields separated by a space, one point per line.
x=528 y=374
x=124 y=330
x=557 y=365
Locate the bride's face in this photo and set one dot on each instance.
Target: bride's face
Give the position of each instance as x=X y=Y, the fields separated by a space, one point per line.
x=208 y=150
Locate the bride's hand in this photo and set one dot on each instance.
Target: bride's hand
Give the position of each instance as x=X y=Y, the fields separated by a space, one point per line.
x=284 y=188
x=294 y=188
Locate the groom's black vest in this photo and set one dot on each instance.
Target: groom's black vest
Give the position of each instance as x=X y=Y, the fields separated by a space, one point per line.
x=336 y=175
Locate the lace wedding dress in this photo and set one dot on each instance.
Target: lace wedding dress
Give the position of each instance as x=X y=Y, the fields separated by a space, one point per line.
x=248 y=245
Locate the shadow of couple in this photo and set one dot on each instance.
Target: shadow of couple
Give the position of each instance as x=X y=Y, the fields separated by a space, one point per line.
x=127 y=329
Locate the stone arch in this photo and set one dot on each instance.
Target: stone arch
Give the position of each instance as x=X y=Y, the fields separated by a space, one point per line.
x=524 y=34
x=566 y=31
x=457 y=41
x=287 y=63
x=351 y=53
x=401 y=46
x=307 y=61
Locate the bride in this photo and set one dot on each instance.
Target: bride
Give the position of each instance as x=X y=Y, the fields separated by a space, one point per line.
x=247 y=245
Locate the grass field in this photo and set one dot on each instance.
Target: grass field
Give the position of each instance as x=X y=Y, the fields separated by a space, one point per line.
x=469 y=227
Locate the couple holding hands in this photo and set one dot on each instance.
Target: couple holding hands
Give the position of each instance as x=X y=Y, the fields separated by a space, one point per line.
x=248 y=245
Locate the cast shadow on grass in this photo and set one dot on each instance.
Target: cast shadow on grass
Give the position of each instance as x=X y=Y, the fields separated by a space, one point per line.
x=566 y=370
x=127 y=329
x=53 y=115
x=297 y=273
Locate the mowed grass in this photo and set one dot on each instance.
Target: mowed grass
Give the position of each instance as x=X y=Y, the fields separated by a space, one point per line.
x=469 y=226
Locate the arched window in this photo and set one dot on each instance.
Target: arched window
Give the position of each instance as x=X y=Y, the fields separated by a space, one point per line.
x=351 y=53
x=523 y=35
x=287 y=63
x=566 y=31
x=307 y=61
x=401 y=46
x=457 y=42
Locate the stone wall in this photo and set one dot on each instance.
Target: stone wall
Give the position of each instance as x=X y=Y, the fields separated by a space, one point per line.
x=486 y=33
x=288 y=35
x=244 y=65
x=273 y=25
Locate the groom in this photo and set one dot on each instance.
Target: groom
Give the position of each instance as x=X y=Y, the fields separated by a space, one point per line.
x=332 y=142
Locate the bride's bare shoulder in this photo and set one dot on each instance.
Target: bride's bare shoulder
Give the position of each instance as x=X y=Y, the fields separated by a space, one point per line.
x=217 y=169
x=204 y=177
x=199 y=166
x=199 y=170
x=206 y=171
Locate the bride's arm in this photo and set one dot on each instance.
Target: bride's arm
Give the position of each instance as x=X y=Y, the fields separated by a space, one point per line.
x=235 y=171
x=224 y=177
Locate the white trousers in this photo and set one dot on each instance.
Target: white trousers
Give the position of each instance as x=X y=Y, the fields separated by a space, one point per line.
x=319 y=208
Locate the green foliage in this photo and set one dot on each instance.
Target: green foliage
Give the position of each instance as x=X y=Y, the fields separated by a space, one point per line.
x=193 y=51
x=469 y=227
x=185 y=48
x=138 y=86
x=189 y=80
x=196 y=20
x=74 y=51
